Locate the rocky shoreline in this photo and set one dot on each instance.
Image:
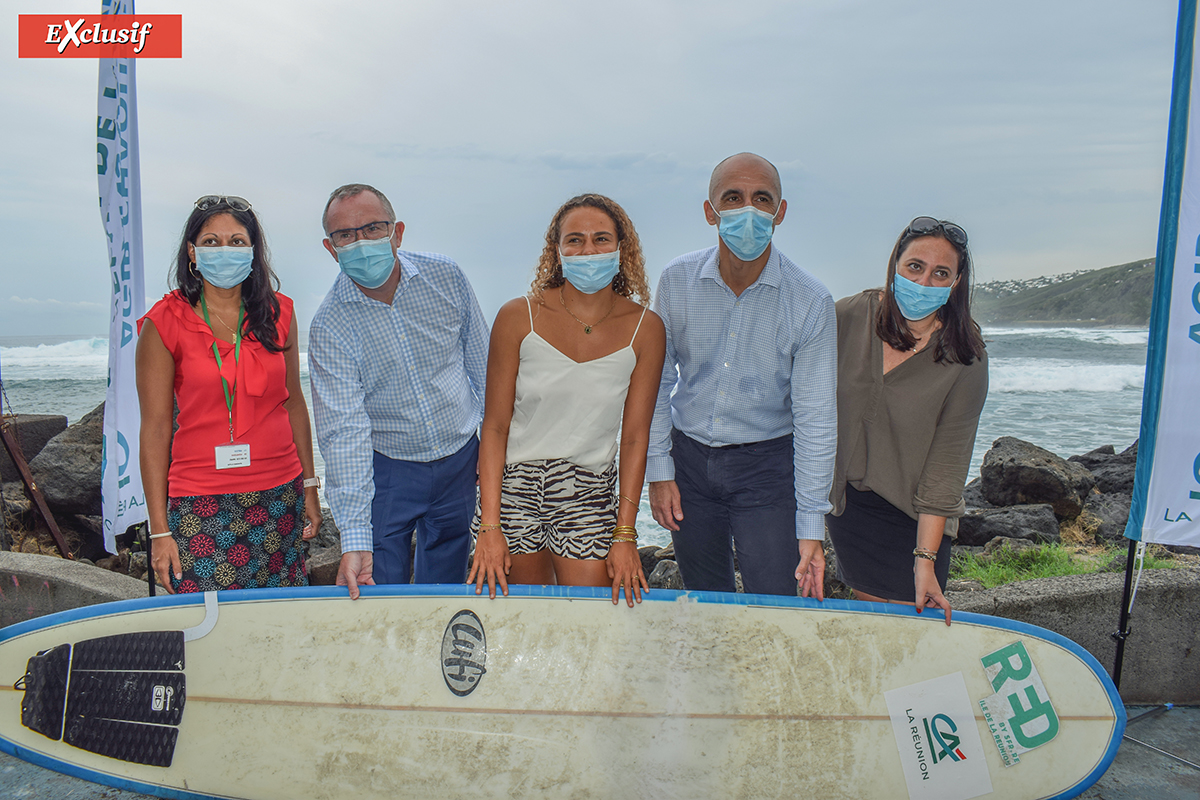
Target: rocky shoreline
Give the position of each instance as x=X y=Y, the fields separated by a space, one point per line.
x=1025 y=496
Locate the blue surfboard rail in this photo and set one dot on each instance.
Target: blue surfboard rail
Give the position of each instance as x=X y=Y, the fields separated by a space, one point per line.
x=562 y=592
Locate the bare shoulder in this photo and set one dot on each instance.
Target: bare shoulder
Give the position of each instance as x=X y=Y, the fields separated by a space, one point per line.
x=513 y=317
x=652 y=332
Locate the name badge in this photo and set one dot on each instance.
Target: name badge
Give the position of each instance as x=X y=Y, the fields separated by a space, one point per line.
x=231 y=456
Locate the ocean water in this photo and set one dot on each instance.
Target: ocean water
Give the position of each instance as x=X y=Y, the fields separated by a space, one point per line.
x=1068 y=390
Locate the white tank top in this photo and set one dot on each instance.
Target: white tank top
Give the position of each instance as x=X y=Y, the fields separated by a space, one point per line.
x=565 y=408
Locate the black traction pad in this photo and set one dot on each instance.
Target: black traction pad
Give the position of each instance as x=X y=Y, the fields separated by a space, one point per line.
x=153 y=745
x=45 y=687
x=122 y=696
x=154 y=650
x=155 y=697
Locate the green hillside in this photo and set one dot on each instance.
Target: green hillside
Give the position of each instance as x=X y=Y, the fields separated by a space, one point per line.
x=1117 y=295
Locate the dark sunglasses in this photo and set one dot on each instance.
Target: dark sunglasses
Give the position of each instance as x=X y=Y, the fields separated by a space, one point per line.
x=924 y=226
x=213 y=200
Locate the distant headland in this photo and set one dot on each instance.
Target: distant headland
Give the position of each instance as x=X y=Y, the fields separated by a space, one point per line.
x=1113 y=296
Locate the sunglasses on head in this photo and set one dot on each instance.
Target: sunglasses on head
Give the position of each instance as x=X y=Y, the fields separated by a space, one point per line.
x=924 y=226
x=213 y=200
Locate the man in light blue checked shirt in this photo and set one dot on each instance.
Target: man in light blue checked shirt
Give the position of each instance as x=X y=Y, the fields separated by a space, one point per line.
x=745 y=429
x=397 y=357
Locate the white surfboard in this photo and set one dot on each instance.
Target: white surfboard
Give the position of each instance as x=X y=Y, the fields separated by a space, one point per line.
x=431 y=691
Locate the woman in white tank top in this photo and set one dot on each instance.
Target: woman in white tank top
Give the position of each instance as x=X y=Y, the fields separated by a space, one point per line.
x=573 y=374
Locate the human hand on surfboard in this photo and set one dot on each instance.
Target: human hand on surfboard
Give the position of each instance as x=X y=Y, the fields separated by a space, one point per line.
x=625 y=569
x=810 y=572
x=929 y=591
x=492 y=562
x=355 y=570
x=665 y=504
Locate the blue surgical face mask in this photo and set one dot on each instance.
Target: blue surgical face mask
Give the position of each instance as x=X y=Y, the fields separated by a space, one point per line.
x=746 y=230
x=590 y=274
x=225 y=267
x=917 y=301
x=368 y=262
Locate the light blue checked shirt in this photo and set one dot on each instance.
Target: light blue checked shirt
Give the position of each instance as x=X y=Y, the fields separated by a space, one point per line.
x=750 y=368
x=404 y=379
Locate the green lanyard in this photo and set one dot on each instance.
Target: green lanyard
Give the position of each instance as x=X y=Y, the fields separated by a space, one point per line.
x=237 y=353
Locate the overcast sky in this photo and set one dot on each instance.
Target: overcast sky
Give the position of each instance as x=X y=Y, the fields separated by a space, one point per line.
x=1040 y=127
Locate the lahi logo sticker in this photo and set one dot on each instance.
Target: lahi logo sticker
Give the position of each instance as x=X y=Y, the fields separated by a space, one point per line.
x=100 y=36
x=464 y=653
x=1019 y=713
x=938 y=739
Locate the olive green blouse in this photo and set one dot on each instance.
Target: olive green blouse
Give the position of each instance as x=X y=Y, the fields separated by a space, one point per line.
x=906 y=436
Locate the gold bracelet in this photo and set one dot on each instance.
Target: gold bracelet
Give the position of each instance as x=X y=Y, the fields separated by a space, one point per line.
x=616 y=539
x=625 y=529
x=629 y=499
x=492 y=526
x=928 y=555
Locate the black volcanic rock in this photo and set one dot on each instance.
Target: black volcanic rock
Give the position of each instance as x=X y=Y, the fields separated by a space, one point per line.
x=1033 y=522
x=67 y=470
x=1113 y=471
x=1015 y=472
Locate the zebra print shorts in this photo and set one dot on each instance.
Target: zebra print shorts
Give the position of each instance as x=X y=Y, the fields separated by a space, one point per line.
x=559 y=506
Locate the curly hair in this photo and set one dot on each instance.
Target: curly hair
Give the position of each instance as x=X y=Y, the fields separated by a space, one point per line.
x=258 y=290
x=630 y=280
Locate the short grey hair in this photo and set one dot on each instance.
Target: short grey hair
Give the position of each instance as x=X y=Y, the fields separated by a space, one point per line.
x=351 y=190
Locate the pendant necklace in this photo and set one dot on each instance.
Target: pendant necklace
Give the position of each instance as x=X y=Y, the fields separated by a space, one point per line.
x=586 y=328
x=223 y=322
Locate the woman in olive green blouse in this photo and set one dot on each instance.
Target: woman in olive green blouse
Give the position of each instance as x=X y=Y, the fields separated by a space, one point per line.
x=912 y=378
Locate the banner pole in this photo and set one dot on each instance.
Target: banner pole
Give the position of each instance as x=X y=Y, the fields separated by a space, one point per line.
x=1123 y=626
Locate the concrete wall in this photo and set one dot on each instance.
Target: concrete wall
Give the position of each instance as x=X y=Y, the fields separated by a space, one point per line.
x=1162 y=653
x=34 y=585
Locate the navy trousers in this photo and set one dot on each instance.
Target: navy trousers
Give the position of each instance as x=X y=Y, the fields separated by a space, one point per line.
x=742 y=496
x=434 y=499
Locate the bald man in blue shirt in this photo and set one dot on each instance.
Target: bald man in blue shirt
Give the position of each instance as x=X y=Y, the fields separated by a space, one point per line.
x=745 y=430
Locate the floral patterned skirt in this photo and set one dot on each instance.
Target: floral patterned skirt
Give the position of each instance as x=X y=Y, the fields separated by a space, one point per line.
x=246 y=540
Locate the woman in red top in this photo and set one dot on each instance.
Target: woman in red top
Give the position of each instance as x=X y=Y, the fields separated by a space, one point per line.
x=228 y=493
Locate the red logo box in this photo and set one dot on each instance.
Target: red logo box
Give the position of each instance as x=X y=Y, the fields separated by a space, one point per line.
x=100 y=36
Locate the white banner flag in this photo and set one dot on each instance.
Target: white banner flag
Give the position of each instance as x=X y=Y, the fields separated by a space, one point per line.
x=1166 y=493
x=124 y=501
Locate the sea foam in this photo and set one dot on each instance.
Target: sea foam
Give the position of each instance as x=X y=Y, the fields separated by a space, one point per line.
x=1061 y=375
x=81 y=359
x=1114 y=336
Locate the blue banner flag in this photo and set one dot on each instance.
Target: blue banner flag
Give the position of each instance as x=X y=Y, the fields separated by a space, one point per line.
x=124 y=502
x=1166 y=490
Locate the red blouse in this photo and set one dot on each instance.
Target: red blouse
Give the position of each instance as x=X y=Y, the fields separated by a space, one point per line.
x=259 y=418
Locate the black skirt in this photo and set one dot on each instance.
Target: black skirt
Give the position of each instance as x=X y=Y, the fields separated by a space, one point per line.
x=874 y=542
